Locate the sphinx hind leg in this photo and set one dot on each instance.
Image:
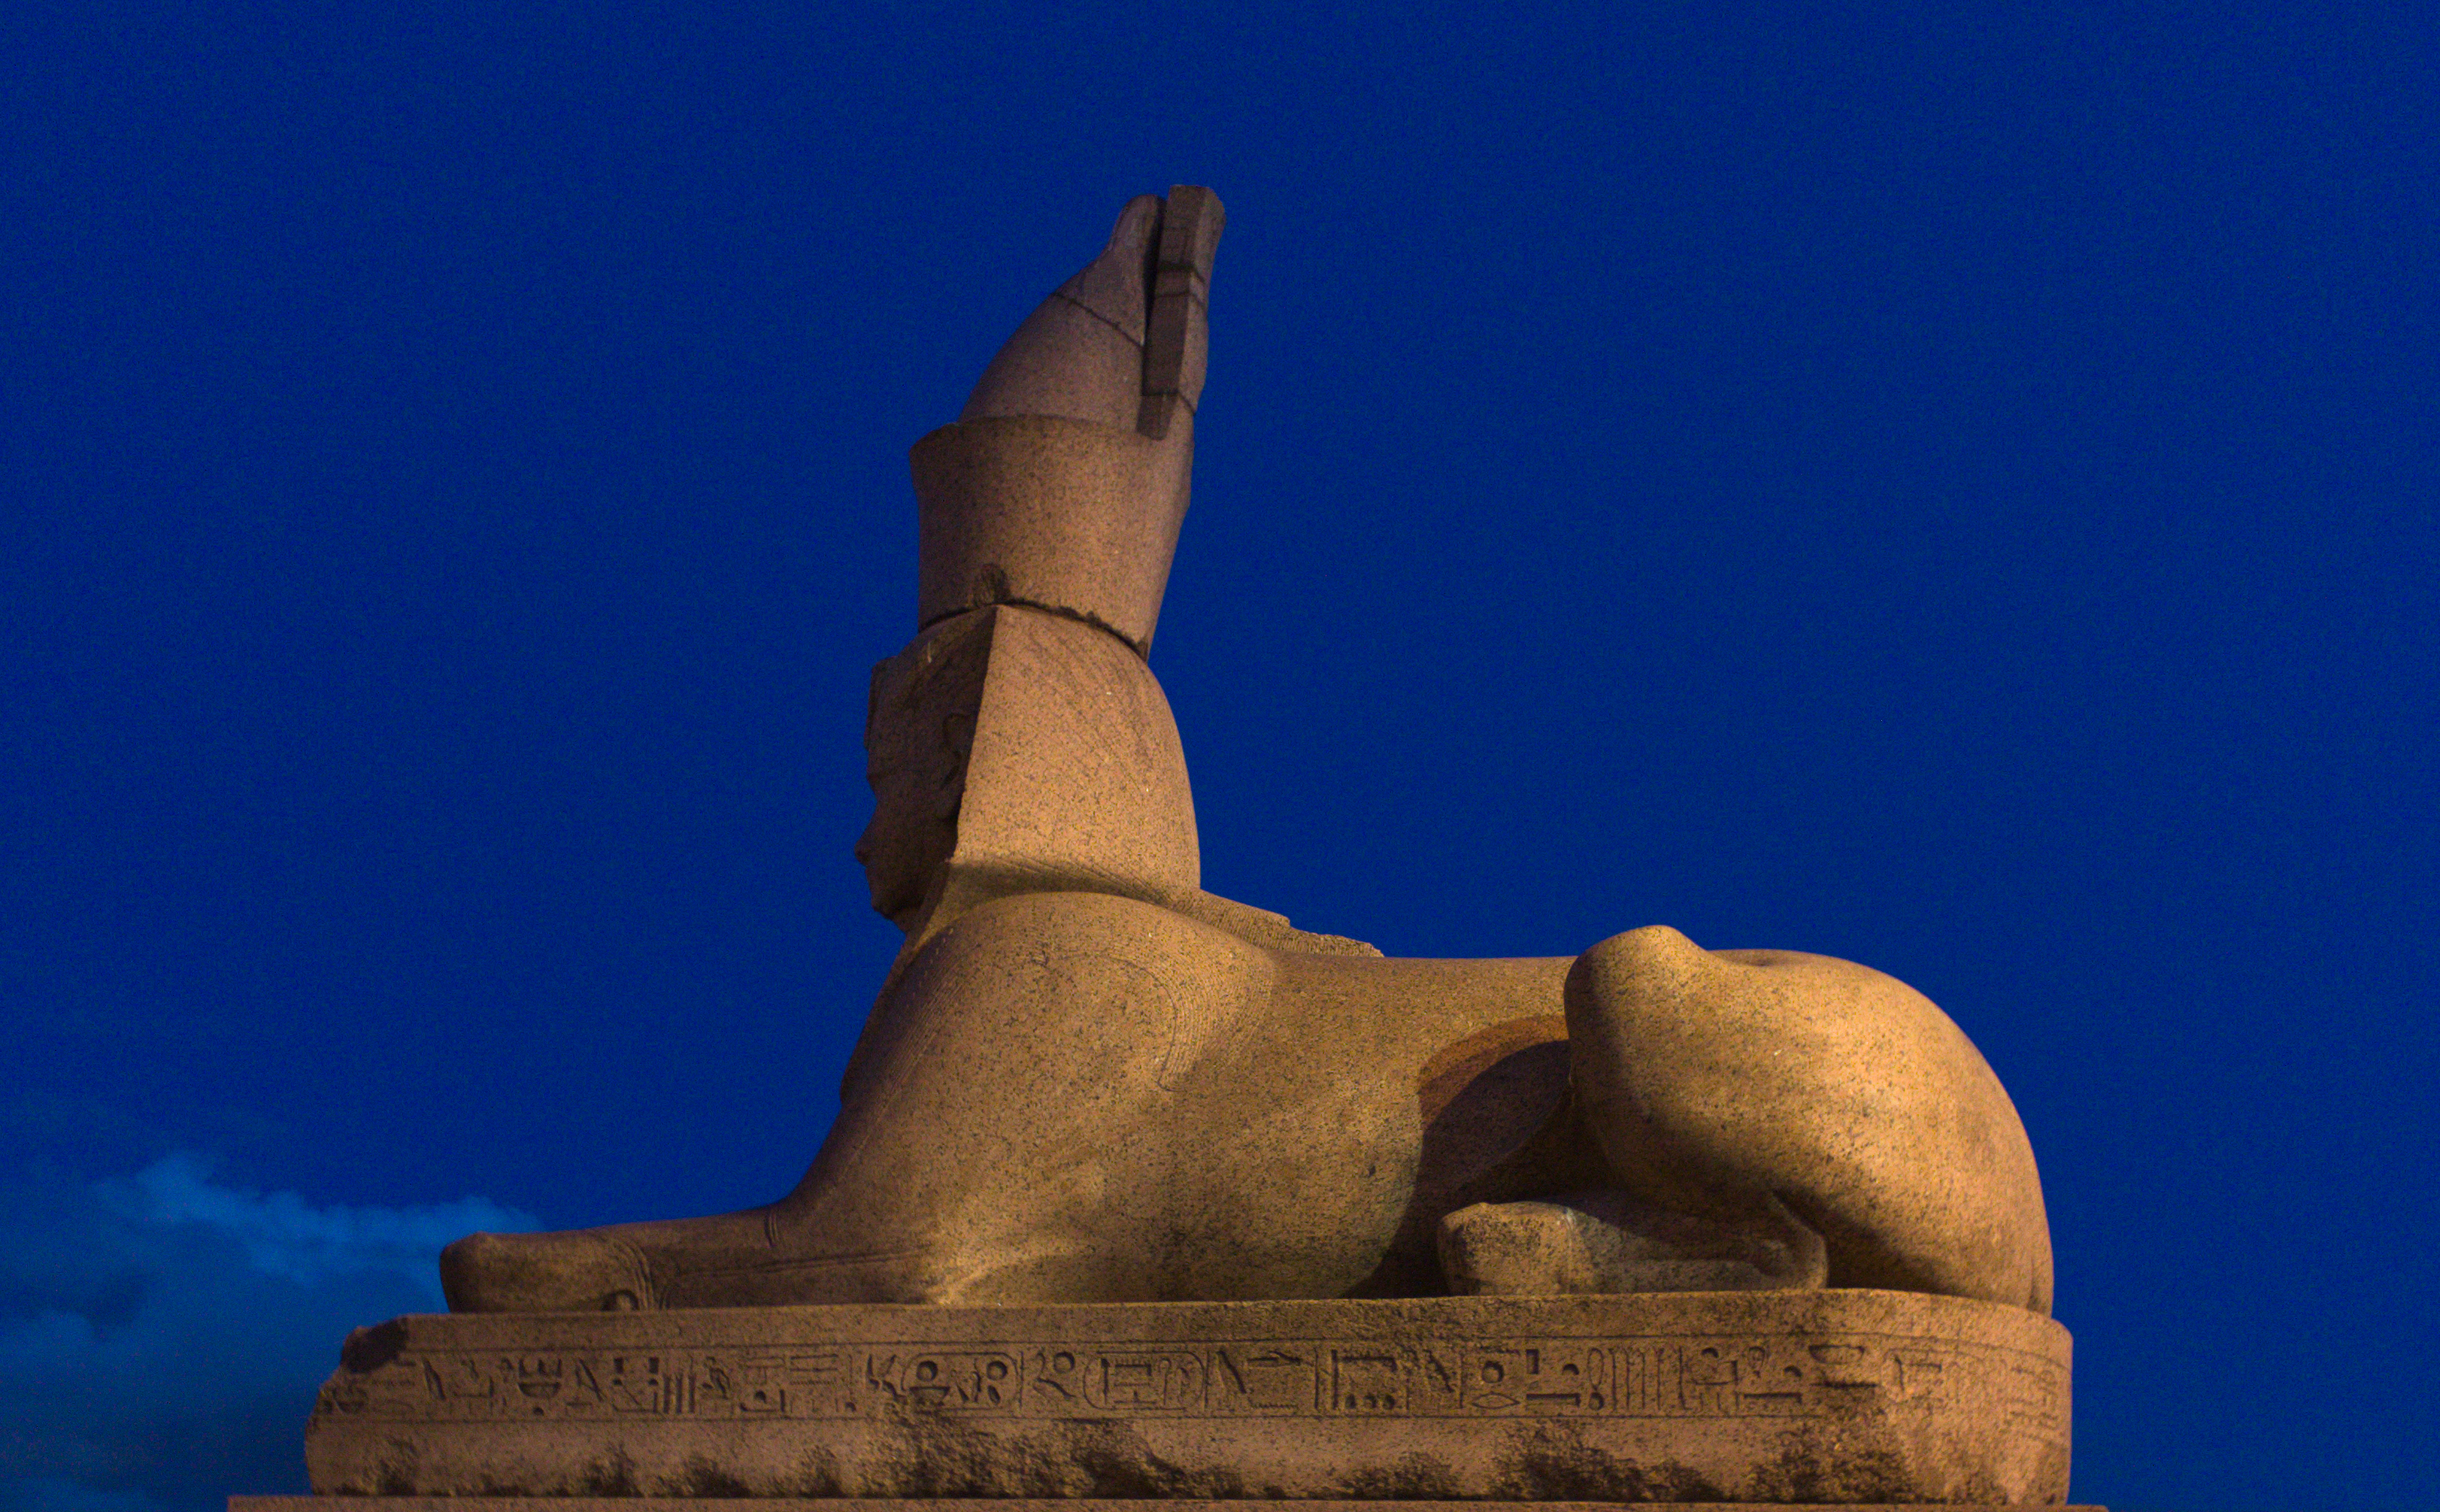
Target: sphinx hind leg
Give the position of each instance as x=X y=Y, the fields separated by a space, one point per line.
x=1715 y=1080
x=1517 y=1198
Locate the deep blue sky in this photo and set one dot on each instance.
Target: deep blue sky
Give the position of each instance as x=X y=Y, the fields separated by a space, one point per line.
x=1947 y=486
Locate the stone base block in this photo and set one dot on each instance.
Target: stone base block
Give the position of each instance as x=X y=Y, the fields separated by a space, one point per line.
x=798 y=1503
x=1821 y=1398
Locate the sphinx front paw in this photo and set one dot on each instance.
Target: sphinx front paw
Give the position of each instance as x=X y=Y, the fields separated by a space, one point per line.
x=577 y=1270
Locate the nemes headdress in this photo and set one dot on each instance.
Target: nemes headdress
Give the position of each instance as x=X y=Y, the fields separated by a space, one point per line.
x=1062 y=485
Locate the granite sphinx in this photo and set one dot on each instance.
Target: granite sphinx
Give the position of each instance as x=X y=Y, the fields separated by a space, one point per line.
x=1085 y=1080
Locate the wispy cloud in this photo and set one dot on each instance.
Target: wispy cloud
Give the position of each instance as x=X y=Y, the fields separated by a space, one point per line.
x=164 y=1333
x=284 y=1236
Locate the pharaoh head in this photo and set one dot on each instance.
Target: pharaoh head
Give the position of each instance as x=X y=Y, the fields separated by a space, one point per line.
x=1011 y=749
x=1020 y=740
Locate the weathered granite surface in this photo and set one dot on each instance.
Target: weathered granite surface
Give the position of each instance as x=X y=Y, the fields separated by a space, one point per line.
x=1086 y=1079
x=1782 y=1396
x=1138 y=1193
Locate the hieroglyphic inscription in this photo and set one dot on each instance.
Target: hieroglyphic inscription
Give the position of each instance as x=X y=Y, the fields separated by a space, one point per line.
x=1679 y=1376
x=2033 y=1396
x=942 y=1379
x=1565 y=1377
x=1796 y=1377
x=1263 y=1380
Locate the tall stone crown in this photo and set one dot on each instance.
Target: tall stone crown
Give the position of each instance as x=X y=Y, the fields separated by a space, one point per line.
x=1063 y=483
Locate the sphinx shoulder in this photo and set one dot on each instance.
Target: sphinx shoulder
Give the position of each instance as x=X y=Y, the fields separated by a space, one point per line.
x=1097 y=923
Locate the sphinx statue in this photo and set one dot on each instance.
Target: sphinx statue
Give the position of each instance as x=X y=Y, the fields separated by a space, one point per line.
x=1088 y=1080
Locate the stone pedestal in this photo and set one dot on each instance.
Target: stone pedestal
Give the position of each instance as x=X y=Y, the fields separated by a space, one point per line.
x=1822 y=1397
x=1022 y=1504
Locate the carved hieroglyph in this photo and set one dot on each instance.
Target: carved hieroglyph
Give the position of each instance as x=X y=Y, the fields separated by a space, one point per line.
x=1854 y=1396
